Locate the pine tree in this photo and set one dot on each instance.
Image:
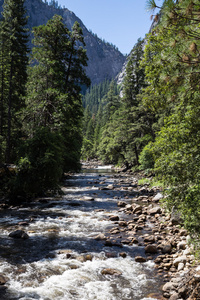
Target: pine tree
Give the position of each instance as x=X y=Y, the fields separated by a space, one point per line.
x=55 y=78
x=13 y=49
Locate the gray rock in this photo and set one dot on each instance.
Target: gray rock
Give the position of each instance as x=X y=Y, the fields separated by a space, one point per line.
x=155 y=210
x=167 y=287
x=174 y=296
x=157 y=197
x=181 y=266
x=180 y=259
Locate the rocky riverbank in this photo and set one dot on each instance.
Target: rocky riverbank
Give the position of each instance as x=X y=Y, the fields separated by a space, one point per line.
x=138 y=219
x=165 y=240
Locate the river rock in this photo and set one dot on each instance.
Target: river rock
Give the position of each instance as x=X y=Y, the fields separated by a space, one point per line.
x=3 y=280
x=110 y=187
x=155 y=210
x=182 y=245
x=149 y=239
x=157 y=197
x=166 y=247
x=174 y=296
x=140 y=259
x=123 y=223
x=137 y=209
x=167 y=287
x=100 y=236
x=181 y=266
x=129 y=207
x=151 y=249
x=19 y=234
x=110 y=271
x=114 y=218
x=110 y=254
x=123 y=254
x=121 y=203
x=180 y=259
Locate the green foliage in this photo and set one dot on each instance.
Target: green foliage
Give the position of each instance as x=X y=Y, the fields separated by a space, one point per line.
x=13 y=75
x=56 y=73
x=94 y=95
x=171 y=63
x=106 y=99
x=40 y=166
x=146 y=158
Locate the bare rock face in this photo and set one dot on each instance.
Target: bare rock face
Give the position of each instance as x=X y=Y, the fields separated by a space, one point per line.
x=105 y=61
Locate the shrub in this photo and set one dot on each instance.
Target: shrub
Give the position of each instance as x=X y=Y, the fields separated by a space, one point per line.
x=146 y=158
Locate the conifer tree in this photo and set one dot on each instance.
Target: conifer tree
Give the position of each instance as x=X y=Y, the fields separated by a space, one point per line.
x=56 y=74
x=13 y=64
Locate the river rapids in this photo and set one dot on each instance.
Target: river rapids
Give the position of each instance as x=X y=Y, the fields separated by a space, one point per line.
x=63 y=259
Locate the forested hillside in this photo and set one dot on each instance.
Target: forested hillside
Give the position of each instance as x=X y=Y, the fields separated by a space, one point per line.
x=153 y=123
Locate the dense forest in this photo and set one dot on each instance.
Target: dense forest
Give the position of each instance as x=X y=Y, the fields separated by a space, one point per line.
x=40 y=101
x=150 y=122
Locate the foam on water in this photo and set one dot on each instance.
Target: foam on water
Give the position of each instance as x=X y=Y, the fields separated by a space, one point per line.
x=84 y=283
x=62 y=277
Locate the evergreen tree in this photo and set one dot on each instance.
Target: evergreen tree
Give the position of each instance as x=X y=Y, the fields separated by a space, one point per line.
x=13 y=64
x=129 y=125
x=55 y=78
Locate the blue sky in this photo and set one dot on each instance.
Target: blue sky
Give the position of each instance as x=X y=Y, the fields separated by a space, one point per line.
x=120 y=22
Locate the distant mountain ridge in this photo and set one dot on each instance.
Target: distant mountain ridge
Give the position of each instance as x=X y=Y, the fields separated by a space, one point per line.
x=105 y=61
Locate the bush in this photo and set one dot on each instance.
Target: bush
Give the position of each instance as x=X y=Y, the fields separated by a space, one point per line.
x=146 y=158
x=40 y=166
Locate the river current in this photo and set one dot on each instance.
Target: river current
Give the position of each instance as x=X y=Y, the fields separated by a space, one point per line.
x=63 y=259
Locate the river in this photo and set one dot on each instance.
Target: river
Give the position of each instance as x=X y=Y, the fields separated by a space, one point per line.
x=63 y=259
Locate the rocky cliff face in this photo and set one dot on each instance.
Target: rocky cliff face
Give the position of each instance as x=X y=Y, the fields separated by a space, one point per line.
x=105 y=61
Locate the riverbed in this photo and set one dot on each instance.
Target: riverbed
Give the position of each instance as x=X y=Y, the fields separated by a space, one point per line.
x=66 y=255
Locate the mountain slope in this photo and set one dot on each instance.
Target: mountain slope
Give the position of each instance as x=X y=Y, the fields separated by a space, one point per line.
x=105 y=61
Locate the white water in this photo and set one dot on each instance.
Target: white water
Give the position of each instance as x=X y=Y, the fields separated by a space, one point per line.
x=73 y=228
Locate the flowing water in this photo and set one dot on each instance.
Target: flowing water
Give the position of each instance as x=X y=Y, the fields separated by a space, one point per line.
x=62 y=259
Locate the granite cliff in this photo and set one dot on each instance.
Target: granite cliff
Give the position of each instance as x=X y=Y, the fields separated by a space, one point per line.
x=105 y=61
